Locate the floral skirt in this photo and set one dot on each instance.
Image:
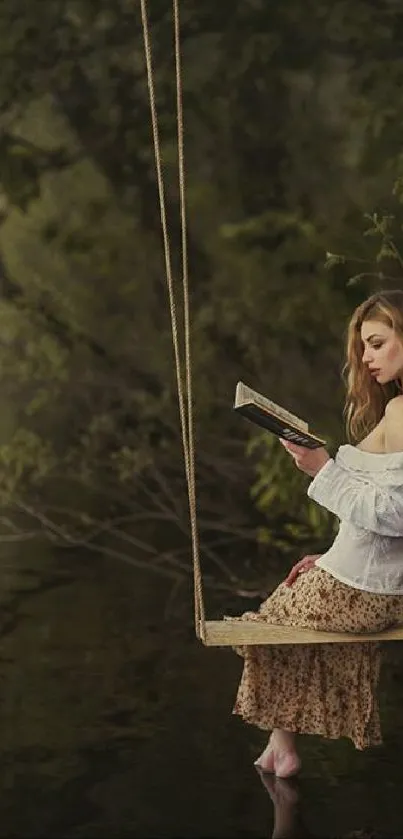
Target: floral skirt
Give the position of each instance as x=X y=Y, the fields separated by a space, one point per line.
x=326 y=689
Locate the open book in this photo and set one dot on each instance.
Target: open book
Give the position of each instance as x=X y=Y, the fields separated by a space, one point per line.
x=280 y=422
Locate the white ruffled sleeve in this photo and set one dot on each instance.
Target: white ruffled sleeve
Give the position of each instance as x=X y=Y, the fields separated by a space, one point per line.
x=358 y=499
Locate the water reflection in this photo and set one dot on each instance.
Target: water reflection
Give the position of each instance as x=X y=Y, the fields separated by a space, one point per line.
x=115 y=721
x=291 y=818
x=289 y=821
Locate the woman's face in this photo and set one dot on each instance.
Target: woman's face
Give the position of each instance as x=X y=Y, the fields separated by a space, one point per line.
x=382 y=351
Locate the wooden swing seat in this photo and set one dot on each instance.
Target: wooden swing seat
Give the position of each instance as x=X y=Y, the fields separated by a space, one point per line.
x=229 y=633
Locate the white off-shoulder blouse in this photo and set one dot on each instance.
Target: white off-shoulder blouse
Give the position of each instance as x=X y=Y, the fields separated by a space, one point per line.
x=365 y=491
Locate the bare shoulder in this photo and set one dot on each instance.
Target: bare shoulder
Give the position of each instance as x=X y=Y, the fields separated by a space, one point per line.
x=394 y=425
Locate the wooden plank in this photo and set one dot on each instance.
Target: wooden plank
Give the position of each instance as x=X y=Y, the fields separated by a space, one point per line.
x=235 y=633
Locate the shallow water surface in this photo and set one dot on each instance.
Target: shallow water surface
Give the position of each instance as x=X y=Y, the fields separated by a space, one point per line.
x=115 y=721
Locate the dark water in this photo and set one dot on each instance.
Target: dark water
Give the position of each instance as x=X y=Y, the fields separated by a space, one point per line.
x=115 y=721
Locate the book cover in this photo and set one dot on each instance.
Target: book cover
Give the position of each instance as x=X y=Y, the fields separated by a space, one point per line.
x=265 y=413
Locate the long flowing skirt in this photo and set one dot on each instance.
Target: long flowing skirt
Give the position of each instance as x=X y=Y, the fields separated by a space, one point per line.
x=326 y=689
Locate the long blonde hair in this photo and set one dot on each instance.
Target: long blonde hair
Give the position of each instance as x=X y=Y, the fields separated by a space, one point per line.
x=365 y=398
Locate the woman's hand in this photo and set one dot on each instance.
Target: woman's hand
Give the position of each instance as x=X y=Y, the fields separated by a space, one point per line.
x=308 y=460
x=303 y=565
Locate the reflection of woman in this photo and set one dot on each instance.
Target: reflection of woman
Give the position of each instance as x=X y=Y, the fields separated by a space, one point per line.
x=289 y=821
x=356 y=586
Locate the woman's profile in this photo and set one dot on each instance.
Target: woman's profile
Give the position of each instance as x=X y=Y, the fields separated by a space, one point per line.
x=357 y=585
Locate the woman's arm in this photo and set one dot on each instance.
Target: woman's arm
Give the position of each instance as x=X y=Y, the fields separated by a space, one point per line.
x=358 y=499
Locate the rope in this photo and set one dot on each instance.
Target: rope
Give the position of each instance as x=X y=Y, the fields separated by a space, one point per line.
x=187 y=434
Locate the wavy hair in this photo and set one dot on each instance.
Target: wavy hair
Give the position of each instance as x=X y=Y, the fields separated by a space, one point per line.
x=366 y=400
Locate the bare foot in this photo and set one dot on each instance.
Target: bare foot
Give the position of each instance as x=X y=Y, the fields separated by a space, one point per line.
x=279 y=756
x=265 y=761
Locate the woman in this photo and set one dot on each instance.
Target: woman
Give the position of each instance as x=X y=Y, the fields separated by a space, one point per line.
x=356 y=586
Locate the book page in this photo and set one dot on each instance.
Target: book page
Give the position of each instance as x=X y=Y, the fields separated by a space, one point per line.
x=245 y=394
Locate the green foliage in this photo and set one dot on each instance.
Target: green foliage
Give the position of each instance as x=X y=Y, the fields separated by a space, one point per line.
x=86 y=362
x=22 y=164
x=280 y=494
x=385 y=250
x=27 y=459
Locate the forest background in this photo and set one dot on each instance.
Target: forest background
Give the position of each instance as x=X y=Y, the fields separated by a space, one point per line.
x=293 y=126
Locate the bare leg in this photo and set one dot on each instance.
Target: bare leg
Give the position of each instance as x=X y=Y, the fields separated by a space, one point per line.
x=280 y=755
x=288 y=821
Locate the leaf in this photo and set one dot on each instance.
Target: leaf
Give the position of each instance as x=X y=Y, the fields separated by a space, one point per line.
x=254 y=443
x=267 y=497
x=264 y=536
x=295 y=530
x=386 y=252
x=333 y=259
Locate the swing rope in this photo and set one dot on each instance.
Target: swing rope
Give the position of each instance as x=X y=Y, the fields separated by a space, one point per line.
x=187 y=433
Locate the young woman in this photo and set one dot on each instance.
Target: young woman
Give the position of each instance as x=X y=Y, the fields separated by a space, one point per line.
x=357 y=585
